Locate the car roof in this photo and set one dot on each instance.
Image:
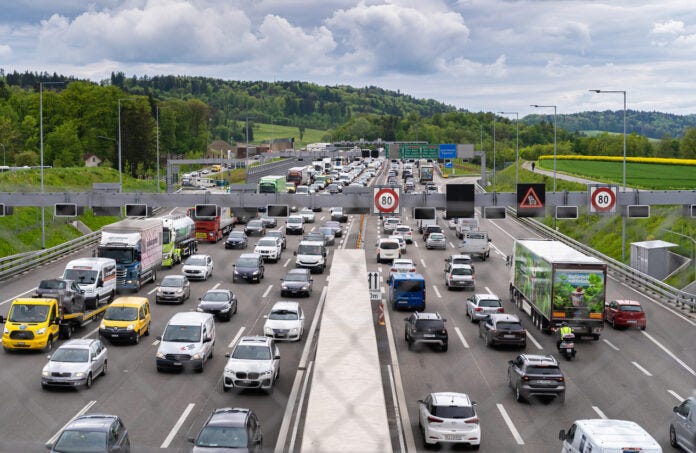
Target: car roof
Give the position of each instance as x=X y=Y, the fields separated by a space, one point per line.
x=199 y=255
x=229 y=417
x=79 y=343
x=461 y=266
x=92 y=422
x=450 y=399
x=175 y=276
x=124 y=301
x=286 y=305
x=189 y=318
x=219 y=290
x=250 y=255
x=255 y=339
x=388 y=239
x=299 y=270
x=427 y=315
x=459 y=257
x=486 y=296
x=538 y=359
x=408 y=261
x=303 y=242
x=504 y=317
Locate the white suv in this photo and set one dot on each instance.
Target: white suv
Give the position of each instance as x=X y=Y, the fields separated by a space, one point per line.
x=253 y=363
x=388 y=249
x=271 y=248
x=448 y=417
x=285 y=321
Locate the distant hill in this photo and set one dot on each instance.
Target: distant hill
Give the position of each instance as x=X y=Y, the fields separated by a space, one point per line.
x=650 y=124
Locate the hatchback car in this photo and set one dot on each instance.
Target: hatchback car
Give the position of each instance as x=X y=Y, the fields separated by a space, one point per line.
x=173 y=288
x=237 y=240
x=307 y=214
x=285 y=321
x=253 y=363
x=388 y=250
x=92 y=432
x=268 y=222
x=254 y=227
x=504 y=329
x=199 y=267
x=336 y=226
x=75 y=363
x=448 y=417
x=229 y=429
x=426 y=328
x=401 y=265
x=481 y=305
x=249 y=266
x=536 y=375
x=460 y=276
x=682 y=427
x=404 y=231
x=296 y=282
x=427 y=229
x=458 y=259
x=221 y=303
x=625 y=313
x=390 y=224
x=436 y=241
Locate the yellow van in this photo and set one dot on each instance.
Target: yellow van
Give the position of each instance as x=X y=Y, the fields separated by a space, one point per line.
x=126 y=319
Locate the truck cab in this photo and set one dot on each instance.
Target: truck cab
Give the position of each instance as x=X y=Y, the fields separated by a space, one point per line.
x=32 y=323
x=407 y=291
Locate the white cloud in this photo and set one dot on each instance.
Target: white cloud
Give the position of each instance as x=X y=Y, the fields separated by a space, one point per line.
x=671 y=27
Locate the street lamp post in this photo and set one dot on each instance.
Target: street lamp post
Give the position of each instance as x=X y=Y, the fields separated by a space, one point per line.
x=623 y=217
x=158 y=155
x=43 y=220
x=120 y=173
x=494 y=180
x=246 y=163
x=554 y=140
x=517 y=144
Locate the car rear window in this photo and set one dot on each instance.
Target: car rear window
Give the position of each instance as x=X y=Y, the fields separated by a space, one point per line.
x=462 y=271
x=389 y=245
x=545 y=370
x=508 y=326
x=490 y=303
x=453 y=411
x=430 y=324
x=631 y=308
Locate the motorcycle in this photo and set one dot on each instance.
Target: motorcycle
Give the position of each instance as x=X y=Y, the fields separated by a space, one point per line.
x=567 y=346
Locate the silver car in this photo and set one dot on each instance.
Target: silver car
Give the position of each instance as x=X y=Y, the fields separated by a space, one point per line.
x=682 y=427
x=75 y=363
x=436 y=241
x=481 y=305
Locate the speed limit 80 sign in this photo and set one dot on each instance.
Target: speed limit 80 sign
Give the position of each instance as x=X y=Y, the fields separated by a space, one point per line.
x=603 y=199
x=386 y=200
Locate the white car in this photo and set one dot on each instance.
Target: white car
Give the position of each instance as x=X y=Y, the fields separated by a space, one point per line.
x=405 y=232
x=285 y=321
x=448 y=417
x=460 y=276
x=307 y=214
x=436 y=241
x=198 y=267
x=401 y=265
x=270 y=248
x=75 y=363
x=253 y=363
x=390 y=224
x=388 y=249
x=402 y=242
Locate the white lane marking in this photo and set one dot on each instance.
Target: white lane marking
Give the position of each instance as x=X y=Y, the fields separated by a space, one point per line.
x=645 y=372
x=415 y=243
x=287 y=262
x=399 y=428
x=461 y=337
x=669 y=353
x=236 y=337
x=536 y=343
x=510 y=425
x=279 y=448
x=177 y=426
x=676 y=395
x=599 y=412
x=451 y=245
x=152 y=290
x=611 y=345
x=488 y=289
x=423 y=263
x=268 y=290
x=216 y=285
x=379 y=269
x=81 y=412
x=313 y=328
x=437 y=292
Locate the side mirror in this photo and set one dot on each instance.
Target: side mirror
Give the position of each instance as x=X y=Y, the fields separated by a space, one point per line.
x=191 y=439
x=227 y=354
x=2 y=320
x=294 y=253
x=207 y=340
x=675 y=409
x=277 y=357
x=420 y=401
x=562 y=434
x=100 y=283
x=49 y=445
x=159 y=337
x=265 y=316
x=200 y=298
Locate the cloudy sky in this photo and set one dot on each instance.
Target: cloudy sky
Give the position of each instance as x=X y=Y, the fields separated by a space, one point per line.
x=491 y=55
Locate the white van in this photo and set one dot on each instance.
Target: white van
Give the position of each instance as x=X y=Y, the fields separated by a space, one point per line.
x=311 y=255
x=607 y=436
x=465 y=224
x=95 y=276
x=475 y=243
x=187 y=342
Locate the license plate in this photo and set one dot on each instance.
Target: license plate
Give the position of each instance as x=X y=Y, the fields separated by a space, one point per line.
x=543 y=382
x=429 y=335
x=453 y=437
x=631 y=321
x=176 y=363
x=508 y=336
x=21 y=343
x=114 y=335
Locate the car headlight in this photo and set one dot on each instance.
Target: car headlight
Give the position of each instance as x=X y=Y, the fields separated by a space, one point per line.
x=6 y=331
x=256 y=273
x=236 y=272
x=79 y=374
x=196 y=356
x=199 y=309
x=283 y=286
x=266 y=373
x=41 y=331
x=268 y=331
x=294 y=331
x=130 y=327
x=305 y=287
x=45 y=373
x=160 y=355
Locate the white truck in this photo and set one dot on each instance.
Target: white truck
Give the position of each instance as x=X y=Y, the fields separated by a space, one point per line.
x=475 y=243
x=136 y=246
x=95 y=276
x=465 y=224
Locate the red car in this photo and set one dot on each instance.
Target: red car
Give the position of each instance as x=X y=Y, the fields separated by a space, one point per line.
x=625 y=313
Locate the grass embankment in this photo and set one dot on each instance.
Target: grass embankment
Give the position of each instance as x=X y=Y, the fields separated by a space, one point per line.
x=266 y=132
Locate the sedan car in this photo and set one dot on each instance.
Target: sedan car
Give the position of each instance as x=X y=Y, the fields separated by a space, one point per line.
x=173 y=288
x=448 y=417
x=336 y=226
x=296 y=282
x=307 y=214
x=268 y=222
x=436 y=241
x=237 y=240
x=481 y=305
x=255 y=227
x=221 y=303
x=199 y=267
x=625 y=313
x=75 y=363
x=329 y=235
x=285 y=321
x=229 y=429
x=92 y=432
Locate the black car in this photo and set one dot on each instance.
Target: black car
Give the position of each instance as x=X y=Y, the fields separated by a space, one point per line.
x=278 y=234
x=221 y=303
x=269 y=222
x=249 y=267
x=296 y=281
x=255 y=227
x=329 y=234
x=504 y=329
x=81 y=432
x=237 y=240
x=426 y=328
x=536 y=375
x=229 y=429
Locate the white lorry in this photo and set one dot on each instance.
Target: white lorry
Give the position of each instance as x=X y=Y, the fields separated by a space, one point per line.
x=95 y=276
x=475 y=243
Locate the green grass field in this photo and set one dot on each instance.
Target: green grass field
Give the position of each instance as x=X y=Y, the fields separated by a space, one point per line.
x=266 y=132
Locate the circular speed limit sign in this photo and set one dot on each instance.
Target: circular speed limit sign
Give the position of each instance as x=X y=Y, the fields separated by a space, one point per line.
x=386 y=200
x=603 y=199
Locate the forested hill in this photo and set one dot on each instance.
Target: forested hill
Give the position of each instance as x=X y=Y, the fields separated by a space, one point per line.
x=650 y=124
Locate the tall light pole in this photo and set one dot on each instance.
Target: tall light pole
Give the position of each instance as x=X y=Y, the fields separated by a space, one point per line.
x=120 y=173
x=43 y=220
x=494 y=180
x=517 y=144
x=623 y=217
x=554 y=139
x=246 y=162
x=158 y=157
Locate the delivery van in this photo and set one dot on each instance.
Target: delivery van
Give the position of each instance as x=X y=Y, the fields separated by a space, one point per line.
x=187 y=342
x=95 y=276
x=607 y=436
x=127 y=319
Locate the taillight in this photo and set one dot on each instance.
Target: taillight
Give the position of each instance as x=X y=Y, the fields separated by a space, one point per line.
x=473 y=420
x=393 y=269
x=478 y=309
x=525 y=378
x=413 y=269
x=501 y=310
x=560 y=379
x=432 y=419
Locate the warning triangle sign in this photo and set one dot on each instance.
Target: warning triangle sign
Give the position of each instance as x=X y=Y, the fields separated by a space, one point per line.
x=531 y=200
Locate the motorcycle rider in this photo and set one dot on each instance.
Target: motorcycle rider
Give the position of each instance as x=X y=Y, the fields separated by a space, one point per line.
x=562 y=332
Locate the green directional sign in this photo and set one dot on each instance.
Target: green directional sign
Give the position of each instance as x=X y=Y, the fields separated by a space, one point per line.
x=430 y=151
x=419 y=151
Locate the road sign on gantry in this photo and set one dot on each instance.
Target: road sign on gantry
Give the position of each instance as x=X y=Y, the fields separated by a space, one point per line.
x=386 y=200
x=602 y=199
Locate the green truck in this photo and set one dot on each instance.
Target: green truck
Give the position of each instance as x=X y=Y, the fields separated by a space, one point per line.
x=178 y=239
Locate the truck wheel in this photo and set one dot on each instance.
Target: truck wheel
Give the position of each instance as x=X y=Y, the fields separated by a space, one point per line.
x=154 y=276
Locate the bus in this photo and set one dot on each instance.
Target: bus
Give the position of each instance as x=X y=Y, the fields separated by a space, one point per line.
x=273 y=184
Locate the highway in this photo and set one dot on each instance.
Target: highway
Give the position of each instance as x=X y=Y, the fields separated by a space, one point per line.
x=626 y=374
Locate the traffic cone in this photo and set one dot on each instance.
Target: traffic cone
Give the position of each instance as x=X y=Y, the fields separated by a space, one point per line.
x=380 y=313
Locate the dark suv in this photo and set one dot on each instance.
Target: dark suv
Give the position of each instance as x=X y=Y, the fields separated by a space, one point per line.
x=536 y=375
x=426 y=328
x=503 y=328
x=229 y=428
x=93 y=432
x=249 y=267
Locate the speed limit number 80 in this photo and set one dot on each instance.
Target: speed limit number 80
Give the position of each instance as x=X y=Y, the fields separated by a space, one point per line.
x=386 y=200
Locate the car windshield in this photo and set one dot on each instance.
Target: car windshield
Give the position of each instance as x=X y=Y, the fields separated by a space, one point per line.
x=453 y=411
x=236 y=235
x=81 y=275
x=389 y=245
x=195 y=261
x=508 y=326
x=326 y=231
x=266 y=243
x=490 y=303
x=545 y=370
x=121 y=314
x=461 y=271
x=255 y=224
x=285 y=315
x=295 y=278
x=222 y=437
x=248 y=352
x=173 y=281
x=247 y=262
x=79 y=441
x=182 y=334
x=437 y=237
x=28 y=313
x=631 y=308
x=461 y=261
x=304 y=249
x=294 y=219
x=74 y=355
x=215 y=296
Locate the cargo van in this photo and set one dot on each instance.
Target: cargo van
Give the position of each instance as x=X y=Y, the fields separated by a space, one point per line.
x=95 y=276
x=187 y=342
x=311 y=255
x=607 y=436
x=127 y=319
x=465 y=224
